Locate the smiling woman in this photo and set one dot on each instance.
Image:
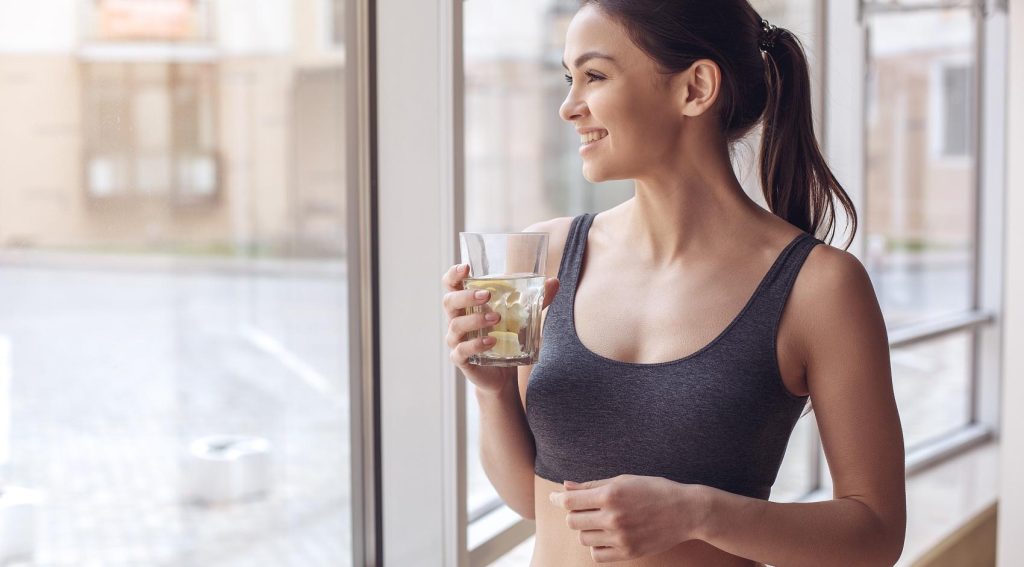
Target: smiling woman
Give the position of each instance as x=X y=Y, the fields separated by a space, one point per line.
x=672 y=408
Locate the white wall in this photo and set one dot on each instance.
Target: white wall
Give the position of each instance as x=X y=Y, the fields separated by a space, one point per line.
x=1010 y=544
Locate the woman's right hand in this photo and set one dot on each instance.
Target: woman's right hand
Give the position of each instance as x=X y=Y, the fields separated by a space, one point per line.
x=455 y=304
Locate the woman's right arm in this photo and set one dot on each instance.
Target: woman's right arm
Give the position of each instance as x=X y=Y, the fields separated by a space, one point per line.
x=507 y=451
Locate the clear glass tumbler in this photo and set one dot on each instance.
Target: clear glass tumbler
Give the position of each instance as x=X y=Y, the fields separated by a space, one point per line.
x=511 y=266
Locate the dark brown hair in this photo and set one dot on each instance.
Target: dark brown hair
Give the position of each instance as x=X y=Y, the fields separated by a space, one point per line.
x=773 y=86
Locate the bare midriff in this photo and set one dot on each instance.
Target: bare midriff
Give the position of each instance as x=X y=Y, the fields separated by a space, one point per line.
x=556 y=545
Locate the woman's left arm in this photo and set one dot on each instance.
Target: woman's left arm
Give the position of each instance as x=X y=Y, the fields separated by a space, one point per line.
x=843 y=341
x=846 y=353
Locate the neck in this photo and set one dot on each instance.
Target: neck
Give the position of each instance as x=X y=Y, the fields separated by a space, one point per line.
x=697 y=208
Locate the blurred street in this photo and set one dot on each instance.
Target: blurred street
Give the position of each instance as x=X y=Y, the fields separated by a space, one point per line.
x=116 y=370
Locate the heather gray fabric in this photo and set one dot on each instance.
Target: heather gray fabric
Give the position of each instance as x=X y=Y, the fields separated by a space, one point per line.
x=719 y=417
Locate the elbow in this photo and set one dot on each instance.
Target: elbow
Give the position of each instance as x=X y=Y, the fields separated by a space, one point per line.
x=885 y=538
x=895 y=552
x=887 y=553
x=897 y=540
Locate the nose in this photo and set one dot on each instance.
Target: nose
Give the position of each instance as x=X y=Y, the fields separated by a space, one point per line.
x=571 y=107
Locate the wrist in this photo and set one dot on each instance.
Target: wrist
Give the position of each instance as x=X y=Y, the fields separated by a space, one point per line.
x=702 y=500
x=508 y=390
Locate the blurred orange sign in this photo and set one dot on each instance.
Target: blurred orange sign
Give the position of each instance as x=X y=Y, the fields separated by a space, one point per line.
x=146 y=19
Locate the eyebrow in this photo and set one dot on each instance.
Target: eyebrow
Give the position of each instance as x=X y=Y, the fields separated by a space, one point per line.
x=588 y=56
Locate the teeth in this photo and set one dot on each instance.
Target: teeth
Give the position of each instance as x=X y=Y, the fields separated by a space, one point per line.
x=592 y=137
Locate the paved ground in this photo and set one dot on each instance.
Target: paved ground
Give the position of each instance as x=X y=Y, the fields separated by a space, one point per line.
x=113 y=372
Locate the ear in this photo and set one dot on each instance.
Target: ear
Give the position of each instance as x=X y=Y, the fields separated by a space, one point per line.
x=698 y=87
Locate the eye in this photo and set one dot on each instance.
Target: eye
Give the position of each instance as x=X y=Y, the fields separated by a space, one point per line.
x=593 y=77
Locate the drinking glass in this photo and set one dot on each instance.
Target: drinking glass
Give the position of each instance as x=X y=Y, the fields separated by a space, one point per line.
x=511 y=266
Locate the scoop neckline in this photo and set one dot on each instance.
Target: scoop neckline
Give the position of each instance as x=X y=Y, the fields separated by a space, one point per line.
x=589 y=220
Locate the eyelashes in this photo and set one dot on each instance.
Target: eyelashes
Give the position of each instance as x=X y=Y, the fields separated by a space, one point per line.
x=593 y=77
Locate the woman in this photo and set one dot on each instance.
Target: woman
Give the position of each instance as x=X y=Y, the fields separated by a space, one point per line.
x=694 y=324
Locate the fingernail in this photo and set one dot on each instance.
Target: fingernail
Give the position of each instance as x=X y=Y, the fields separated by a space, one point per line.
x=462 y=268
x=491 y=317
x=481 y=294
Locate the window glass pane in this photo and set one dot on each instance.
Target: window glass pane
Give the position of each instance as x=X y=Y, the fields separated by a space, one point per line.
x=173 y=335
x=932 y=382
x=522 y=160
x=921 y=191
x=795 y=477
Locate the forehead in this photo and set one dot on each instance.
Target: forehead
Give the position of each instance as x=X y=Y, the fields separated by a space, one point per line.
x=591 y=31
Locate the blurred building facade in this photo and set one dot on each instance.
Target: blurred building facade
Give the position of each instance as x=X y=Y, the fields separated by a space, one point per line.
x=173 y=125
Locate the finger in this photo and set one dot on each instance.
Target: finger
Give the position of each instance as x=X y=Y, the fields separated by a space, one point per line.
x=453 y=277
x=464 y=349
x=455 y=302
x=463 y=324
x=608 y=554
x=550 y=290
x=582 y=499
x=586 y=520
x=595 y=538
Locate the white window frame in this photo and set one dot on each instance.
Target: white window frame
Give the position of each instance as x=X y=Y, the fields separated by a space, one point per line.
x=415 y=215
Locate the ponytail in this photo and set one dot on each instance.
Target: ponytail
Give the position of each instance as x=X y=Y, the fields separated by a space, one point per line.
x=797 y=183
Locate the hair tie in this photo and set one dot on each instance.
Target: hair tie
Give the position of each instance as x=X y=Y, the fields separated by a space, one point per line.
x=768 y=35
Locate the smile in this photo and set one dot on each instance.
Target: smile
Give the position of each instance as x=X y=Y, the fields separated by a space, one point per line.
x=589 y=145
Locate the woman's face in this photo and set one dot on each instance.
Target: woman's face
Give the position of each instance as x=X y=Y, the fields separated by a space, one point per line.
x=624 y=98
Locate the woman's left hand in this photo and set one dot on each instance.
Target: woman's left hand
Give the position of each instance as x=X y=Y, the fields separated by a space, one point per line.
x=631 y=516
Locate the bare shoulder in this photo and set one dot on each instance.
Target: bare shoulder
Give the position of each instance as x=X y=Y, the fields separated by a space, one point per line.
x=833 y=290
x=558 y=231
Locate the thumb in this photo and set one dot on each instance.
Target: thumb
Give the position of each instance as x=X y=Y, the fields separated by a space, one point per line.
x=551 y=286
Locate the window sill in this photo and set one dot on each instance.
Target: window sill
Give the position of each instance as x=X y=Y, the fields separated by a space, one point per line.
x=944 y=498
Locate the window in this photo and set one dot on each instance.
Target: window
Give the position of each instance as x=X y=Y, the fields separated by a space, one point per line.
x=922 y=205
x=932 y=382
x=150 y=129
x=956 y=104
x=175 y=379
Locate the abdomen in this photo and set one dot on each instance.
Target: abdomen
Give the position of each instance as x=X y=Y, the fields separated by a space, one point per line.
x=556 y=545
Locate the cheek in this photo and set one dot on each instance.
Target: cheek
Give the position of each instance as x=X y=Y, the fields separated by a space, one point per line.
x=634 y=120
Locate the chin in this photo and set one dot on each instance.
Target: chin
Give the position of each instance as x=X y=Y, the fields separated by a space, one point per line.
x=597 y=175
x=592 y=174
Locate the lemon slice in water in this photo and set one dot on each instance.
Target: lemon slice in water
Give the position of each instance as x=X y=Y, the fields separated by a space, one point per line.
x=506 y=343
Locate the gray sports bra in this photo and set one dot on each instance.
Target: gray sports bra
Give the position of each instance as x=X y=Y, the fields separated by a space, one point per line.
x=720 y=416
